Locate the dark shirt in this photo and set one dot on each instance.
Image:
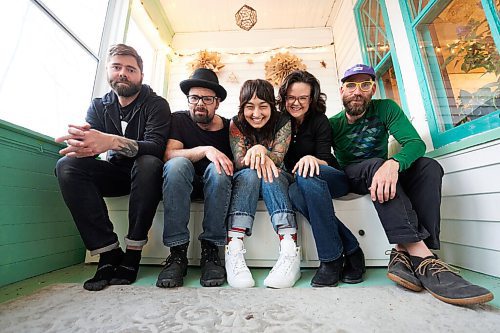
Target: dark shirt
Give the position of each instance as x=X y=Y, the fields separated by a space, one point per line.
x=148 y=121
x=312 y=137
x=185 y=130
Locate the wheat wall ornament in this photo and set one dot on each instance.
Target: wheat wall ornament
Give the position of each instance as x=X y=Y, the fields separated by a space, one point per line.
x=208 y=60
x=282 y=64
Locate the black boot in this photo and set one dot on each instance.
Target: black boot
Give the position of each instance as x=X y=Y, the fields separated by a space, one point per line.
x=328 y=273
x=126 y=273
x=108 y=261
x=172 y=275
x=354 y=267
x=213 y=273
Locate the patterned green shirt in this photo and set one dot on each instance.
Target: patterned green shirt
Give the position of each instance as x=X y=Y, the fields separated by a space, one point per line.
x=368 y=136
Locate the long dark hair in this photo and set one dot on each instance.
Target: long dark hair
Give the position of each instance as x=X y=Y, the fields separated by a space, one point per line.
x=265 y=91
x=318 y=99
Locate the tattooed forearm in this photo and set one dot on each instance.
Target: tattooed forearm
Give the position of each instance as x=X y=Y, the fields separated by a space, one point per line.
x=280 y=145
x=127 y=147
x=237 y=142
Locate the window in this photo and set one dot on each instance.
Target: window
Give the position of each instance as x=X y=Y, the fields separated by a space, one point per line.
x=144 y=37
x=377 y=45
x=46 y=72
x=457 y=44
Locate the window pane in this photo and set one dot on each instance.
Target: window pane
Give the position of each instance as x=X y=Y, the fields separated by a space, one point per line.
x=140 y=43
x=46 y=78
x=85 y=18
x=416 y=6
x=462 y=64
x=373 y=27
x=390 y=85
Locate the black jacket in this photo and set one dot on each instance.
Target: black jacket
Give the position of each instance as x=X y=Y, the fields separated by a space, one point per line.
x=149 y=124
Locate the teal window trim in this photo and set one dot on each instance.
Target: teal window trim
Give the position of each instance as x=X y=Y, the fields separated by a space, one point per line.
x=382 y=66
x=479 y=127
x=468 y=142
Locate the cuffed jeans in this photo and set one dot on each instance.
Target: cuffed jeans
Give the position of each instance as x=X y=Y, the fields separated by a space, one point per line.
x=85 y=181
x=414 y=213
x=312 y=197
x=179 y=183
x=248 y=188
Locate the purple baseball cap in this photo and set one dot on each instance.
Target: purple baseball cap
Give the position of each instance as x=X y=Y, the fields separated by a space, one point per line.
x=359 y=69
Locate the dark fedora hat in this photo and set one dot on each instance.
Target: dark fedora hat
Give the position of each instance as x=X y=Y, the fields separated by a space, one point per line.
x=204 y=78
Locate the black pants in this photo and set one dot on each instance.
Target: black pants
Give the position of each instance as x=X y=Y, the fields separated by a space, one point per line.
x=85 y=181
x=415 y=212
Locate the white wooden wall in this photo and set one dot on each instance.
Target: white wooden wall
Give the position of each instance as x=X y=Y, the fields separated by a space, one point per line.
x=237 y=65
x=470 y=219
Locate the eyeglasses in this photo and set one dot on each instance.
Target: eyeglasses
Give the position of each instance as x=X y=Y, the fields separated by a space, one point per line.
x=302 y=99
x=363 y=86
x=194 y=99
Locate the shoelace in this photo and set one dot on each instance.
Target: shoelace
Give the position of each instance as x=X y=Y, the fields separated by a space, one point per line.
x=285 y=262
x=210 y=254
x=399 y=257
x=436 y=265
x=173 y=258
x=240 y=264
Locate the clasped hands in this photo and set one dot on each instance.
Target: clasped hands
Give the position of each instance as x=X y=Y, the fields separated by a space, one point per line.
x=83 y=141
x=256 y=158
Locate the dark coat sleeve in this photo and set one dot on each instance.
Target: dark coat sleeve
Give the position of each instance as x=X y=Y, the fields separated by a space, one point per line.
x=157 y=118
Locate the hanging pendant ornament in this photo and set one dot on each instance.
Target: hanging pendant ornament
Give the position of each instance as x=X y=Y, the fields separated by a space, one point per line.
x=246 y=17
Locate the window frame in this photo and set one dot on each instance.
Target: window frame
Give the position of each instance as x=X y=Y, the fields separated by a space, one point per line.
x=384 y=64
x=474 y=132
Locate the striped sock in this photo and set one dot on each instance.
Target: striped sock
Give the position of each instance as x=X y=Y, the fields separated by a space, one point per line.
x=236 y=233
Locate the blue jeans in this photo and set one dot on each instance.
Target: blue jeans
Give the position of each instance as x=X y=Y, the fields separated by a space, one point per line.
x=179 y=181
x=247 y=189
x=312 y=197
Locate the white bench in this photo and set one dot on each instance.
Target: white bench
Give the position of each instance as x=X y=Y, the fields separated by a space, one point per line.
x=357 y=212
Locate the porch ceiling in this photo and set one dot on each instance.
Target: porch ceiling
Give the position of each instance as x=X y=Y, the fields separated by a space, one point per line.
x=218 y=15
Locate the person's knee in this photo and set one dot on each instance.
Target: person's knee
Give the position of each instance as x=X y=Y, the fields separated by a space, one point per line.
x=148 y=164
x=65 y=166
x=177 y=166
x=213 y=176
x=430 y=167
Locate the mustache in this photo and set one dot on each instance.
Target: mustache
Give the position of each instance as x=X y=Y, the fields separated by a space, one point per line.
x=200 y=108
x=354 y=98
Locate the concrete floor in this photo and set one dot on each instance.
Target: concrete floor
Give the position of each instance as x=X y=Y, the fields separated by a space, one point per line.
x=148 y=274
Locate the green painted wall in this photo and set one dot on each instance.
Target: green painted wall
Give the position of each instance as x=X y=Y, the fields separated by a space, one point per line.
x=37 y=233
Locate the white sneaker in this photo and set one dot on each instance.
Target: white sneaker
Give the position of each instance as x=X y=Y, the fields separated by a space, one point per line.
x=286 y=271
x=238 y=274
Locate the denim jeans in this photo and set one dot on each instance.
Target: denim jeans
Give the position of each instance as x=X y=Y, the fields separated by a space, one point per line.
x=414 y=214
x=247 y=190
x=85 y=181
x=312 y=197
x=179 y=183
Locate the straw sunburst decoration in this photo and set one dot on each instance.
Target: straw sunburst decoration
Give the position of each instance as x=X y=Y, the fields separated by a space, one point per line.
x=282 y=64
x=207 y=59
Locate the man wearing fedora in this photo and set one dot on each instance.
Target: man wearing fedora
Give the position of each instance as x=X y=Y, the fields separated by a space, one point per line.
x=198 y=165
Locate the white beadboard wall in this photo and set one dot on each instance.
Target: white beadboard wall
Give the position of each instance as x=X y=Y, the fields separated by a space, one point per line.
x=470 y=209
x=233 y=44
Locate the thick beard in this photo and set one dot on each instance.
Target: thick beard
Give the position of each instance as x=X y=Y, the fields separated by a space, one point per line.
x=201 y=119
x=355 y=111
x=123 y=90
